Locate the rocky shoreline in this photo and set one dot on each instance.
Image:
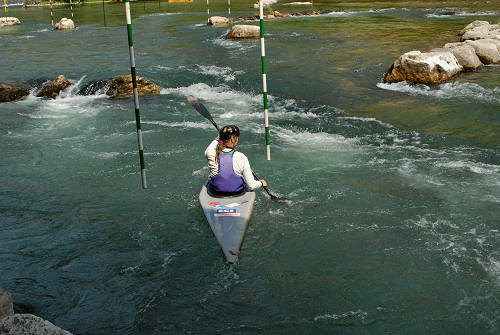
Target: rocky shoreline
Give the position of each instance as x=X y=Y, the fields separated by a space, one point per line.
x=20 y=324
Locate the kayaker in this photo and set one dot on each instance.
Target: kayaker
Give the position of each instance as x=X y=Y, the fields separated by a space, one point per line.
x=230 y=170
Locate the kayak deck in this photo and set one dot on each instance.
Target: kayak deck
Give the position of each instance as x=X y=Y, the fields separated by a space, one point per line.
x=228 y=218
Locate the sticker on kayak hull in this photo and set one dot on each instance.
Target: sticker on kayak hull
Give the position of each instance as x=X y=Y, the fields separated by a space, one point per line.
x=226 y=212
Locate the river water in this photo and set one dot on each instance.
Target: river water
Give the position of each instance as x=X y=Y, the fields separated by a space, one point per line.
x=393 y=224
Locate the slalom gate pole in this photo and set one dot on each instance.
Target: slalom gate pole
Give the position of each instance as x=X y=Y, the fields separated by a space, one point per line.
x=136 y=98
x=208 y=12
x=104 y=13
x=229 y=9
x=71 y=8
x=51 y=15
x=4 y=6
x=264 y=79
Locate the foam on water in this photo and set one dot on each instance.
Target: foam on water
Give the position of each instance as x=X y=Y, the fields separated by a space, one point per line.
x=225 y=73
x=455 y=90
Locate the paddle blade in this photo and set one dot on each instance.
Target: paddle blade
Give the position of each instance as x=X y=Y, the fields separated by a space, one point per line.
x=201 y=109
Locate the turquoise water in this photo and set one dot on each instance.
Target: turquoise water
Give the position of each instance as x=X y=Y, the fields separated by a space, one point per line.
x=393 y=225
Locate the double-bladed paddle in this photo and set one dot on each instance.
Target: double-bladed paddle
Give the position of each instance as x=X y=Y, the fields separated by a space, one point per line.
x=205 y=113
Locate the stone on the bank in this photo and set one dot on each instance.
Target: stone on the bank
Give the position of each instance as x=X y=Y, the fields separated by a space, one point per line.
x=6 y=304
x=487 y=50
x=9 y=21
x=218 y=20
x=121 y=86
x=428 y=68
x=23 y=324
x=53 y=88
x=465 y=54
x=242 y=31
x=64 y=24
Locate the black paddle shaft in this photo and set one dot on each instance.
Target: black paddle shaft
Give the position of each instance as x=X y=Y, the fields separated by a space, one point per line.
x=205 y=113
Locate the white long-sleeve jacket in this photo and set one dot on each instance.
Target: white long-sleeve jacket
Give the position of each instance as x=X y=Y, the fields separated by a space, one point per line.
x=241 y=165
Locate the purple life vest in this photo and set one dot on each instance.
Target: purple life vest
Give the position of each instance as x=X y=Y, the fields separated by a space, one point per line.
x=226 y=181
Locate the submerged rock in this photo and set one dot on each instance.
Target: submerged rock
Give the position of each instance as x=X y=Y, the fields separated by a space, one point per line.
x=6 y=304
x=241 y=31
x=9 y=21
x=20 y=324
x=64 y=24
x=53 y=88
x=218 y=20
x=428 y=68
x=120 y=87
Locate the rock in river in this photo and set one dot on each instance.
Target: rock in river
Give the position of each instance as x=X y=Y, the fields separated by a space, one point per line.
x=64 y=24
x=120 y=87
x=53 y=88
x=20 y=324
x=427 y=68
x=218 y=20
x=9 y=21
x=6 y=304
x=243 y=31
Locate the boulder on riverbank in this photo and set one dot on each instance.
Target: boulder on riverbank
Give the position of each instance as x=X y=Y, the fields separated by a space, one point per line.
x=427 y=68
x=6 y=304
x=64 y=24
x=9 y=21
x=218 y=20
x=53 y=88
x=120 y=87
x=242 y=31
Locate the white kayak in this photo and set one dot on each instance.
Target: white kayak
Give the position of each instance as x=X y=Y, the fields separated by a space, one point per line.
x=228 y=217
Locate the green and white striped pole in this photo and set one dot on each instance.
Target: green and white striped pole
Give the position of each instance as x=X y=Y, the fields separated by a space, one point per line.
x=264 y=79
x=208 y=12
x=229 y=9
x=136 y=98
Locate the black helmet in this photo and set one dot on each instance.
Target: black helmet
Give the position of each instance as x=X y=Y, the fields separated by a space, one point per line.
x=226 y=132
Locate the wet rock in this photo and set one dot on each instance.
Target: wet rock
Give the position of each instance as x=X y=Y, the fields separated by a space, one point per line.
x=9 y=21
x=64 y=24
x=120 y=87
x=53 y=88
x=428 y=68
x=487 y=50
x=23 y=324
x=269 y=17
x=6 y=304
x=14 y=90
x=218 y=20
x=465 y=54
x=241 y=31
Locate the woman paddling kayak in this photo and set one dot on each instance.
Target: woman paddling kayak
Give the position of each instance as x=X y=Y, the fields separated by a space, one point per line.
x=230 y=170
